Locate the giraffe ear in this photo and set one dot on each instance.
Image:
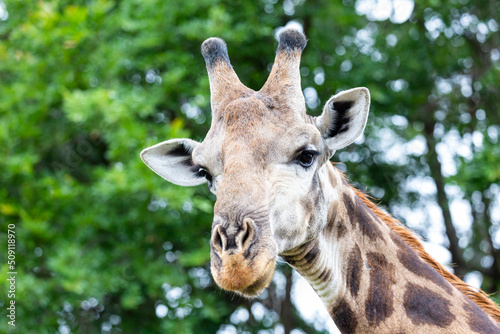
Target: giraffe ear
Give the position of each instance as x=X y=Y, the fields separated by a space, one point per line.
x=344 y=118
x=172 y=160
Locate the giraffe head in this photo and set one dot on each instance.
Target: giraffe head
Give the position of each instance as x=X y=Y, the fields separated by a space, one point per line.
x=262 y=158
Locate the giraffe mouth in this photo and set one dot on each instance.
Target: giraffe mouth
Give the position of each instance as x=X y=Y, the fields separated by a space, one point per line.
x=247 y=278
x=261 y=283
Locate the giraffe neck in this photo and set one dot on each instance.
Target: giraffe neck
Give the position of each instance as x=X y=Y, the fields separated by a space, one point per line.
x=371 y=282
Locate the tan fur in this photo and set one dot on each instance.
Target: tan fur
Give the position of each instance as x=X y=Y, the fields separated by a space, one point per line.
x=241 y=275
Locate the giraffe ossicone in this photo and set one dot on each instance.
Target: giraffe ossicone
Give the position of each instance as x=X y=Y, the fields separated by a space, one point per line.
x=267 y=162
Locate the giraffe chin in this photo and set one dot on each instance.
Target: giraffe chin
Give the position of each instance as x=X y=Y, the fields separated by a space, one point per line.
x=247 y=278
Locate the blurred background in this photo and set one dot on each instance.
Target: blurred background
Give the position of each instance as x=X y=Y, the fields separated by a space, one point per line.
x=104 y=245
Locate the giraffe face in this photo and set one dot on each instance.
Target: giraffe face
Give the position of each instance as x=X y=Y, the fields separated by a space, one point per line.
x=262 y=158
x=263 y=169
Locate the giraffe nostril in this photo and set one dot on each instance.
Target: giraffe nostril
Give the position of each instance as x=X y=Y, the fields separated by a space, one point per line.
x=232 y=239
x=248 y=230
x=217 y=240
x=246 y=236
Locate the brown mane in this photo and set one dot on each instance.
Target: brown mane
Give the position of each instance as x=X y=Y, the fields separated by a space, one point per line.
x=477 y=296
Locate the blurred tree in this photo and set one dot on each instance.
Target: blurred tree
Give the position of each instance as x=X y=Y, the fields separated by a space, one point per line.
x=104 y=245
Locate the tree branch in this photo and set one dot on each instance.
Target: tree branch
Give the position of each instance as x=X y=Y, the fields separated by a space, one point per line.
x=442 y=198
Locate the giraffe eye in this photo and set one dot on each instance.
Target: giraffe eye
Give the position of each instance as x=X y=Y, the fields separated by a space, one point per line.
x=306 y=158
x=202 y=172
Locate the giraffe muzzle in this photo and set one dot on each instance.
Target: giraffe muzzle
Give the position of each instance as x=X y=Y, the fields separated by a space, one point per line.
x=238 y=262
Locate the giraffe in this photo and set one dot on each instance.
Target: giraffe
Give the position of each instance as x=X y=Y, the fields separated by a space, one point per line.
x=267 y=162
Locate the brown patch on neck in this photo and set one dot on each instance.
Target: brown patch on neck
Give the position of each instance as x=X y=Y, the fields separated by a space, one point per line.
x=416 y=265
x=480 y=298
x=425 y=307
x=380 y=302
x=354 y=270
x=344 y=317
x=361 y=216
